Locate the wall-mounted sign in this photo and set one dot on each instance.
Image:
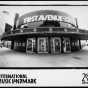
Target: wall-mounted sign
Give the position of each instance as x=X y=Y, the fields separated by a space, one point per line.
x=47 y=17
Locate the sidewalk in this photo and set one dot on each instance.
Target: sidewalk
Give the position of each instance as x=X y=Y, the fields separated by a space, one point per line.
x=10 y=58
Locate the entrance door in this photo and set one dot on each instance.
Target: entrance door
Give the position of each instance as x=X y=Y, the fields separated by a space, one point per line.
x=30 y=45
x=55 y=45
x=43 y=45
x=66 y=45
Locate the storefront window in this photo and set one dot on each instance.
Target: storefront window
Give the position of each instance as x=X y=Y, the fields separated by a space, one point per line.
x=77 y=43
x=17 y=44
x=20 y=43
x=23 y=44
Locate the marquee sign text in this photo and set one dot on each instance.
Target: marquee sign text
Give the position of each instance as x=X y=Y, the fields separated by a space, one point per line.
x=47 y=17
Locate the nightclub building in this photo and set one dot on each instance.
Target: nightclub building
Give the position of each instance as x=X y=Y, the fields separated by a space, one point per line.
x=45 y=31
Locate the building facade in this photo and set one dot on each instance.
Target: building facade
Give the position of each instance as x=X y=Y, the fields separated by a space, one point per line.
x=46 y=31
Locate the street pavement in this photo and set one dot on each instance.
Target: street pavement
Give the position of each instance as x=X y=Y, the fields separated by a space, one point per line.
x=11 y=58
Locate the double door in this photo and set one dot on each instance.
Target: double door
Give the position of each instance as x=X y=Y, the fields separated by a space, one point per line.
x=55 y=45
x=66 y=45
x=42 y=45
x=30 y=46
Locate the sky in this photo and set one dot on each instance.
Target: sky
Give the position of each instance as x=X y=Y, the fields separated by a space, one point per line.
x=80 y=12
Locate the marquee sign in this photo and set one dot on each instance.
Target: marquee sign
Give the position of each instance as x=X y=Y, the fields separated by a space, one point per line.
x=47 y=17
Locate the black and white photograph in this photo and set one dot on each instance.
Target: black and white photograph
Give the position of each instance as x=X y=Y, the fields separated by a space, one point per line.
x=45 y=34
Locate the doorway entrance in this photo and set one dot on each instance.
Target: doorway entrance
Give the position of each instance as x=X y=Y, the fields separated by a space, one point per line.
x=30 y=45
x=66 y=45
x=55 y=45
x=42 y=45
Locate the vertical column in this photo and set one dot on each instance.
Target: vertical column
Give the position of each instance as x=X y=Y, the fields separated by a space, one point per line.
x=80 y=44
x=62 y=45
x=12 y=44
x=25 y=42
x=49 y=44
x=26 y=45
x=71 y=43
x=36 y=45
x=15 y=21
